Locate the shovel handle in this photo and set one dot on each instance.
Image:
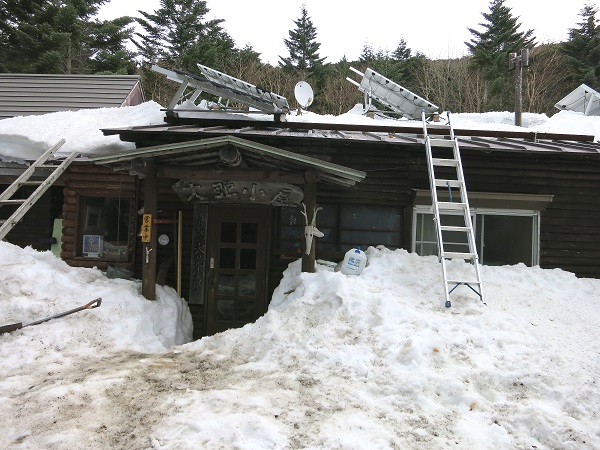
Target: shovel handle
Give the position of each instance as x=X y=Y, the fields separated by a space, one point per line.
x=93 y=304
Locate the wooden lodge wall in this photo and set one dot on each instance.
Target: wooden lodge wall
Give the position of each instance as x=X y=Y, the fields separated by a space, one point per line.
x=569 y=231
x=35 y=228
x=569 y=226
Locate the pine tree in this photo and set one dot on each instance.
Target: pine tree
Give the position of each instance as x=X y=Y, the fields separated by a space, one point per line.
x=178 y=35
x=583 y=49
x=302 y=45
x=402 y=52
x=491 y=47
x=62 y=36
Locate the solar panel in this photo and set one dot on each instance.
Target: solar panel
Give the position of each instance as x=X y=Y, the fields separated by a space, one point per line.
x=223 y=86
x=238 y=90
x=583 y=99
x=398 y=98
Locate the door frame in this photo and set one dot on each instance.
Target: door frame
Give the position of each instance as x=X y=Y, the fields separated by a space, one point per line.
x=218 y=214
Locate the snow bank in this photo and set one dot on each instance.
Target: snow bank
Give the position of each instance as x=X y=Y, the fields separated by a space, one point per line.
x=35 y=285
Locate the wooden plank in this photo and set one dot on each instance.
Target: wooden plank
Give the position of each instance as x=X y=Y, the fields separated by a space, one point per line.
x=269 y=176
x=310 y=200
x=149 y=248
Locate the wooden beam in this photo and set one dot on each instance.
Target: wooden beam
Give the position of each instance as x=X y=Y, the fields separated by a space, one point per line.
x=149 y=248
x=310 y=200
x=191 y=174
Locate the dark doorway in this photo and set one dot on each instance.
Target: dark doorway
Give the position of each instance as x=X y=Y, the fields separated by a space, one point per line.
x=237 y=266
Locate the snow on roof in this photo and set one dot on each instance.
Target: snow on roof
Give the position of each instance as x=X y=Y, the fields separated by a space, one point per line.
x=26 y=137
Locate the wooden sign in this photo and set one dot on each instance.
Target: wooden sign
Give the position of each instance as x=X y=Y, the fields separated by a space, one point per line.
x=247 y=192
x=146 y=227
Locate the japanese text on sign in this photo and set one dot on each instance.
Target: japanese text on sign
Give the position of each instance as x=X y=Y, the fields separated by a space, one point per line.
x=146 y=227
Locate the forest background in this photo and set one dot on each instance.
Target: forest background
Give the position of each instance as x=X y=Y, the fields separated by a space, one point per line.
x=66 y=37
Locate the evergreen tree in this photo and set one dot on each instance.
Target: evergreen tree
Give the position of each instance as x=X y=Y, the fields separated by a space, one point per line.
x=178 y=35
x=62 y=36
x=491 y=47
x=582 y=49
x=402 y=52
x=302 y=45
x=367 y=55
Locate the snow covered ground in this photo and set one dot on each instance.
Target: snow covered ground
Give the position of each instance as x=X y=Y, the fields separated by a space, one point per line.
x=338 y=362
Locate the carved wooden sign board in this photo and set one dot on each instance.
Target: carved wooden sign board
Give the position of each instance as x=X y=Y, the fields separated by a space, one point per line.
x=247 y=192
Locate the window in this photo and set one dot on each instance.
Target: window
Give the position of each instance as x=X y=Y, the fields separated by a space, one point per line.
x=104 y=228
x=501 y=236
x=344 y=226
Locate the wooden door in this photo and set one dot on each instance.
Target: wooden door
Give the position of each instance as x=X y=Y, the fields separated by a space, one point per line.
x=237 y=266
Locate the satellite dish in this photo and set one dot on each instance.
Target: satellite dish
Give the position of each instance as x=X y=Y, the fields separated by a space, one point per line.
x=304 y=94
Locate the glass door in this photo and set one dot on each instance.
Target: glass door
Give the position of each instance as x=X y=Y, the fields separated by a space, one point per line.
x=237 y=266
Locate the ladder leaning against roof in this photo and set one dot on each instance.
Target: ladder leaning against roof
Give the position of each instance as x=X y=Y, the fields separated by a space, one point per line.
x=24 y=180
x=446 y=211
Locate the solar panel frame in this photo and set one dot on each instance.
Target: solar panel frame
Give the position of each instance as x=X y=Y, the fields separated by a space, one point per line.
x=393 y=95
x=259 y=98
x=582 y=99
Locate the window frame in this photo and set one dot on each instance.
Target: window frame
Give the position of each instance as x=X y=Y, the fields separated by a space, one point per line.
x=480 y=211
x=82 y=221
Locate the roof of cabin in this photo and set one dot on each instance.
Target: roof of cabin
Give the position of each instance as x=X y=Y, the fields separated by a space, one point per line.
x=509 y=141
x=33 y=94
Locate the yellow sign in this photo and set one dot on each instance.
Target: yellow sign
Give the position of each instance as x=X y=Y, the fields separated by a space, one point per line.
x=146 y=227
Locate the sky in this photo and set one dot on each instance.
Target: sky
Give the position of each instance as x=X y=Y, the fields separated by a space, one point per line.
x=437 y=28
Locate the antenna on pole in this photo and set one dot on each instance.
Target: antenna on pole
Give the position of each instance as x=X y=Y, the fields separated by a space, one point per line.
x=516 y=62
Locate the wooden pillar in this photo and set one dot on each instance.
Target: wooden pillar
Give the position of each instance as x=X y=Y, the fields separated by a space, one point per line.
x=310 y=200
x=149 y=248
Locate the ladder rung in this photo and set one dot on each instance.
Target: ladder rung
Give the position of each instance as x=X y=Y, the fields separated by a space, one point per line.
x=451 y=183
x=47 y=166
x=30 y=183
x=454 y=228
x=13 y=201
x=459 y=255
x=462 y=282
x=441 y=142
x=452 y=206
x=444 y=162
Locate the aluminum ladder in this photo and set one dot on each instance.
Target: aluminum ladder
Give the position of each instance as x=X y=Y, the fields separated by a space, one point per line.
x=24 y=180
x=443 y=155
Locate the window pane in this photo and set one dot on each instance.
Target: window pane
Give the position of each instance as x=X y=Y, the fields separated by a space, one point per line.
x=105 y=224
x=226 y=285
x=227 y=258
x=249 y=233
x=228 y=232
x=426 y=236
x=507 y=239
x=369 y=217
x=245 y=311
x=248 y=258
x=247 y=286
x=292 y=222
x=225 y=309
x=365 y=225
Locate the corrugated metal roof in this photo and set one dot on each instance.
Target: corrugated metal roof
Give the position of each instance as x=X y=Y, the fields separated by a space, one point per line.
x=32 y=94
x=494 y=142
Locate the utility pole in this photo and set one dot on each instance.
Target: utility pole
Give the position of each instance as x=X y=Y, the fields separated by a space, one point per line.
x=516 y=62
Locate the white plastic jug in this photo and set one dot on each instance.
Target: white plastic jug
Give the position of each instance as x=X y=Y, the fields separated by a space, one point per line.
x=354 y=262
